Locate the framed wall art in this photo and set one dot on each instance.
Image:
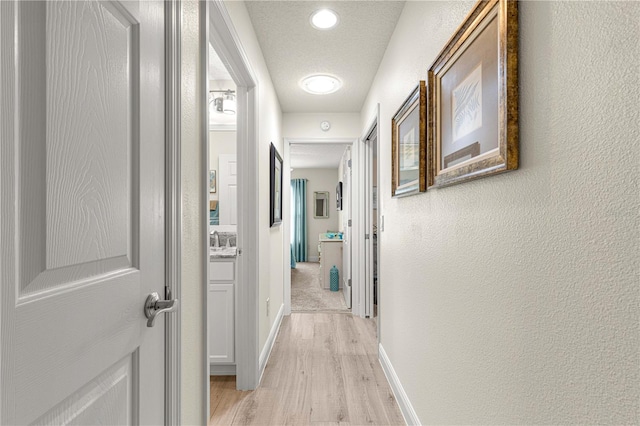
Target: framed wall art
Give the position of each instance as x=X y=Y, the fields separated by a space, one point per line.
x=275 y=211
x=212 y=181
x=409 y=145
x=473 y=97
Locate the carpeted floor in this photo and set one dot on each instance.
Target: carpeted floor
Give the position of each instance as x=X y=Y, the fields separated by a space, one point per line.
x=306 y=294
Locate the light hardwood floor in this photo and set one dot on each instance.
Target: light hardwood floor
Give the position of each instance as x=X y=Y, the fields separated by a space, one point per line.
x=323 y=370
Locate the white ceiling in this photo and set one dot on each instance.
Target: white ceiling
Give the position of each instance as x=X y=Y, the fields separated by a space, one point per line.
x=217 y=70
x=352 y=51
x=316 y=156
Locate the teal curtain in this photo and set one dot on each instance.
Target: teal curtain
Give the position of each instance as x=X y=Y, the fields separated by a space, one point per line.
x=299 y=222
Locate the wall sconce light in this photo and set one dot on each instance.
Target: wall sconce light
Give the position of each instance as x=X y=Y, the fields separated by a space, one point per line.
x=224 y=104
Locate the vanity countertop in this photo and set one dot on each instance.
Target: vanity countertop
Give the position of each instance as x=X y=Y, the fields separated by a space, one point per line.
x=324 y=238
x=222 y=253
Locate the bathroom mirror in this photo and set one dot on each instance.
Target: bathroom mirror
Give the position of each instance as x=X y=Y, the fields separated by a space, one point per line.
x=320 y=205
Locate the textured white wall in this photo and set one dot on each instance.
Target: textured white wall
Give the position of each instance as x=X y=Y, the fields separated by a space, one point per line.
x=193 y=182
x=514 y=299
x=271 y=273
x=319 y=180
x=307 y=125
x=220 y=143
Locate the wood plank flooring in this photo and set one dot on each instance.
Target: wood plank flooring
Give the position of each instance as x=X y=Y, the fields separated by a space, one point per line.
x=323 y=370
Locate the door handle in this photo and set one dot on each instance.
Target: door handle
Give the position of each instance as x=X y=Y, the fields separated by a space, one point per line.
x=154 y=306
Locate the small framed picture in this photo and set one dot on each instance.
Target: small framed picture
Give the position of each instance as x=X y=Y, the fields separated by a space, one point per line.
x=409 y=145
x=212 y=181
x=473 y=97
x=275 y=216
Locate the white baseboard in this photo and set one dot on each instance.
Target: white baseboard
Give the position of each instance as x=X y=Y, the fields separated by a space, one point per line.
x=266 y=351
x=313 y=258
x=222 y=369
x=409 y=414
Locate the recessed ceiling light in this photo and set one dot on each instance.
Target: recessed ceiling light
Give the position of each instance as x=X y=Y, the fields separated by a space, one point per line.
x=321 y=84
x=324 y=19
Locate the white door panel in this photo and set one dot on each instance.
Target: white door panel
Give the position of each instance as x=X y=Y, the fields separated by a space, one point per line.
x=368 y=225
x=233 y=204
x=82 y=230
x=228 y=165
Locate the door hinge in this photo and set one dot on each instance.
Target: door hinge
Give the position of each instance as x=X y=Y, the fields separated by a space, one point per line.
x=349 y=222
x=349 y=163
x=366 y=236
x=349 y=282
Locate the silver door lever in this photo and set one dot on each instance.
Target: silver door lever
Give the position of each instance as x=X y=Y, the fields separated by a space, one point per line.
x=154 y=306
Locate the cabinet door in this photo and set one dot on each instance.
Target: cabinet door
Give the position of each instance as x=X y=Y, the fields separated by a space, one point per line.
x=222 y=271
x=221 y=323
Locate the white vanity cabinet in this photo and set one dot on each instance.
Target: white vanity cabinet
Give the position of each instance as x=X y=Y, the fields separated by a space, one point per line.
x=221 y=311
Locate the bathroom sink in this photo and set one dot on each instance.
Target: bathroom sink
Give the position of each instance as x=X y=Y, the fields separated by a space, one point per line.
x=222 y=252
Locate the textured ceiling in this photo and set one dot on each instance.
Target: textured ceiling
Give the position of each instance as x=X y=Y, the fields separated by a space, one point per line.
x=316 y=156
x=352 y=51
x=217 y=70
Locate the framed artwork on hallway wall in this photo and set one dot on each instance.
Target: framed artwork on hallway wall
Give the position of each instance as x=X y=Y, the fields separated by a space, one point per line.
x=275 y=210
x=212 y=181
x=473 y=97
x=409 y=145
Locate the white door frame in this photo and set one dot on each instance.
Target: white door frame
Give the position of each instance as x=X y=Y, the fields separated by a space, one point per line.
x=217 y=29
x=367 y=193
x=286 y=207
x=374 y=122
x=173 y=209
x=365 y=201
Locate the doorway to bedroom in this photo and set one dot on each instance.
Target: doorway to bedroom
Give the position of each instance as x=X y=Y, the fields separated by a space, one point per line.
x=317 y=234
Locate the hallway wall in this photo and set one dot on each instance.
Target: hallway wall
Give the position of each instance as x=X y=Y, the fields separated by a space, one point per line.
x=514 y=299
x=307 y=125
x=271 y=274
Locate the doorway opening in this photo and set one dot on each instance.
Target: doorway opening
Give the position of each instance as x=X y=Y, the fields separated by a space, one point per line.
x=317 y=234
x=223 y=217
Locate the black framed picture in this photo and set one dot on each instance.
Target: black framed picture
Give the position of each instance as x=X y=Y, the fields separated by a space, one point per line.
x=339 y=196
x=275 y=212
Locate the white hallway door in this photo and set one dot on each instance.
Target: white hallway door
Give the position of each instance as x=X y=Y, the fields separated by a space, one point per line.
x=347 y=226
x=82 y=202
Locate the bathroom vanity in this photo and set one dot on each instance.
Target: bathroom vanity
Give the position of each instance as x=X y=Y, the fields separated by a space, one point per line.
x=330 y=254
x=221 y=310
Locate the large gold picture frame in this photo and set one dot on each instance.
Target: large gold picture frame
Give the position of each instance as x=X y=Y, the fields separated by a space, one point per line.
x=473 y=98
